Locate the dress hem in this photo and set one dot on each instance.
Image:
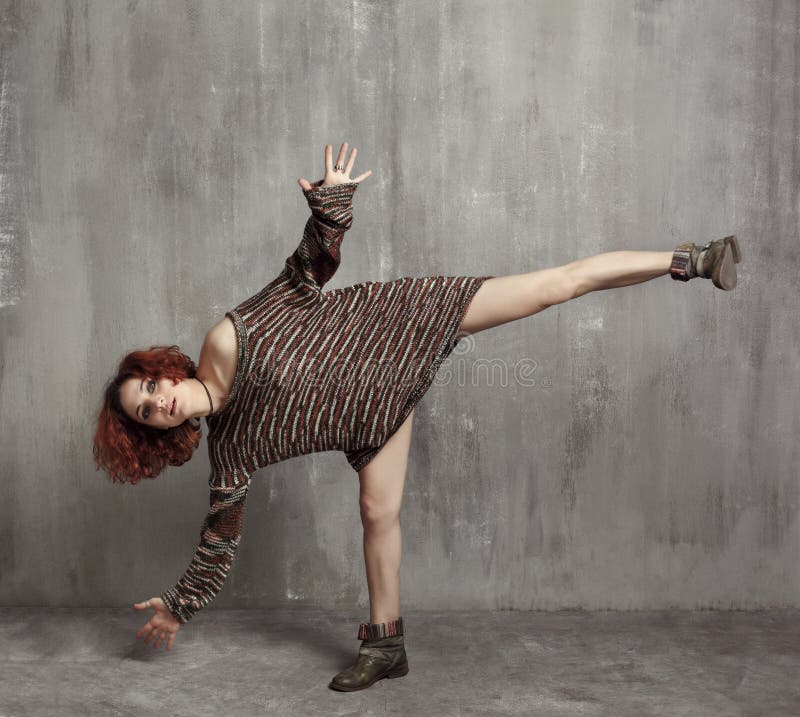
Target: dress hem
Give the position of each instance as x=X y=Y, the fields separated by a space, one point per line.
x=446 y=348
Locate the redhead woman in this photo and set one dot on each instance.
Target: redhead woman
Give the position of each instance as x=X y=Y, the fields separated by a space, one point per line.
x=297 y=369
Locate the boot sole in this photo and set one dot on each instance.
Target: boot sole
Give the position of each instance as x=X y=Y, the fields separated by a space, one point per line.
x=724 y=274
x=398 y=671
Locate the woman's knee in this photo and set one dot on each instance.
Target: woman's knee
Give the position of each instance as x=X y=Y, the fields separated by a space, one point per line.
x=377 y=514
x=555 y=285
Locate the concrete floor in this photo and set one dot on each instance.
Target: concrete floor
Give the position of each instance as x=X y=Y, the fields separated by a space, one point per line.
x=70 y=661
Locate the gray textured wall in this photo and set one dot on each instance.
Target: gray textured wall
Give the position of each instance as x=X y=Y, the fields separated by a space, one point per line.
x=149 y=153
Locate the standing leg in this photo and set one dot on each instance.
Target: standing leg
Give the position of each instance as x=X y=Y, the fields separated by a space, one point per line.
x=507 y=298
x=381 y=495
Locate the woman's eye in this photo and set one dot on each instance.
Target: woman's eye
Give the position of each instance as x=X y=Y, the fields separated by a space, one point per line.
x=146 y=411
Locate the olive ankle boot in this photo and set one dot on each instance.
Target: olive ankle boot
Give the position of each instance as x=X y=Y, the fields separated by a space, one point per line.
x=382 y=654
x=716 y=260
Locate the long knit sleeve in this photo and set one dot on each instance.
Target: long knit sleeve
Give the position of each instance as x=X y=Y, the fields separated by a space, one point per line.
x=219 y=539
x=316 y=259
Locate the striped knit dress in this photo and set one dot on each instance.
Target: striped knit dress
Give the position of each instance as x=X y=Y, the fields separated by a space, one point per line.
x=317 y=371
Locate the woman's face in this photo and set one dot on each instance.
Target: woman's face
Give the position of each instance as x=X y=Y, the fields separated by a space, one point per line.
x=154 y=402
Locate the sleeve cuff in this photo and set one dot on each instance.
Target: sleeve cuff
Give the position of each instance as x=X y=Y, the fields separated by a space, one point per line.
x=331 y=191
x=173 y=603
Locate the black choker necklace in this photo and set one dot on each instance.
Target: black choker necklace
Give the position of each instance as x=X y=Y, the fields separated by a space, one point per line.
x=209 y=396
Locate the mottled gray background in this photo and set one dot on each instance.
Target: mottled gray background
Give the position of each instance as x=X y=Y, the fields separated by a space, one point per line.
x=149 y=153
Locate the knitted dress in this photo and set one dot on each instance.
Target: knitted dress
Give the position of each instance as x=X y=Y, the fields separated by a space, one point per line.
x=317 y=371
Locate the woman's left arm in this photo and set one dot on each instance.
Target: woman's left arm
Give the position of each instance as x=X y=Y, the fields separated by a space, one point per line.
x=220 y=536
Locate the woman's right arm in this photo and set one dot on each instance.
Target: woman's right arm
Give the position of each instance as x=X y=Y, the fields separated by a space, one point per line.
x=219 y=539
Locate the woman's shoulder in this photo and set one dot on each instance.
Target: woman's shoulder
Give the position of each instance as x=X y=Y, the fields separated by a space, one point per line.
x=222 y=336
x=219 y=354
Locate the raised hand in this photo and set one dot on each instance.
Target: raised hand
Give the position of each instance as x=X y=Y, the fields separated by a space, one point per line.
x=338 y=174
x=162 y=623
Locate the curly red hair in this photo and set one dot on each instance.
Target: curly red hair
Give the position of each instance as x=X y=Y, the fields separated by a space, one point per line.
x=129 y=451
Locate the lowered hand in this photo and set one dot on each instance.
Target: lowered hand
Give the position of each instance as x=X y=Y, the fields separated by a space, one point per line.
x=162 y=624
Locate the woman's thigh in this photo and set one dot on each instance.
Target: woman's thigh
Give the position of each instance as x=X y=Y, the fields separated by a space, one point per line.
x=508 y=298
x=383 y=477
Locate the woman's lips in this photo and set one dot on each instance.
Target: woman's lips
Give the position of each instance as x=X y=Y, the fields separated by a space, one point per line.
x=174 y=406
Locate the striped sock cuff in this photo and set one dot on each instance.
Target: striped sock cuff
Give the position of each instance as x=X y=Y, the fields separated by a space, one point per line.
x=681 y=267
x=379 y=630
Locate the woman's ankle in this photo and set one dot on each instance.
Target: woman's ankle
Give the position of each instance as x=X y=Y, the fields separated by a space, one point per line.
x=378 y=630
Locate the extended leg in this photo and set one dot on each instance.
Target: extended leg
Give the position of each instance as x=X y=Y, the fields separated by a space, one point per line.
x=508 y=298
x=614 y=269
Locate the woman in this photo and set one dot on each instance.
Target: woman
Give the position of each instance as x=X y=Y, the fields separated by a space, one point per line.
x=295 y=370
